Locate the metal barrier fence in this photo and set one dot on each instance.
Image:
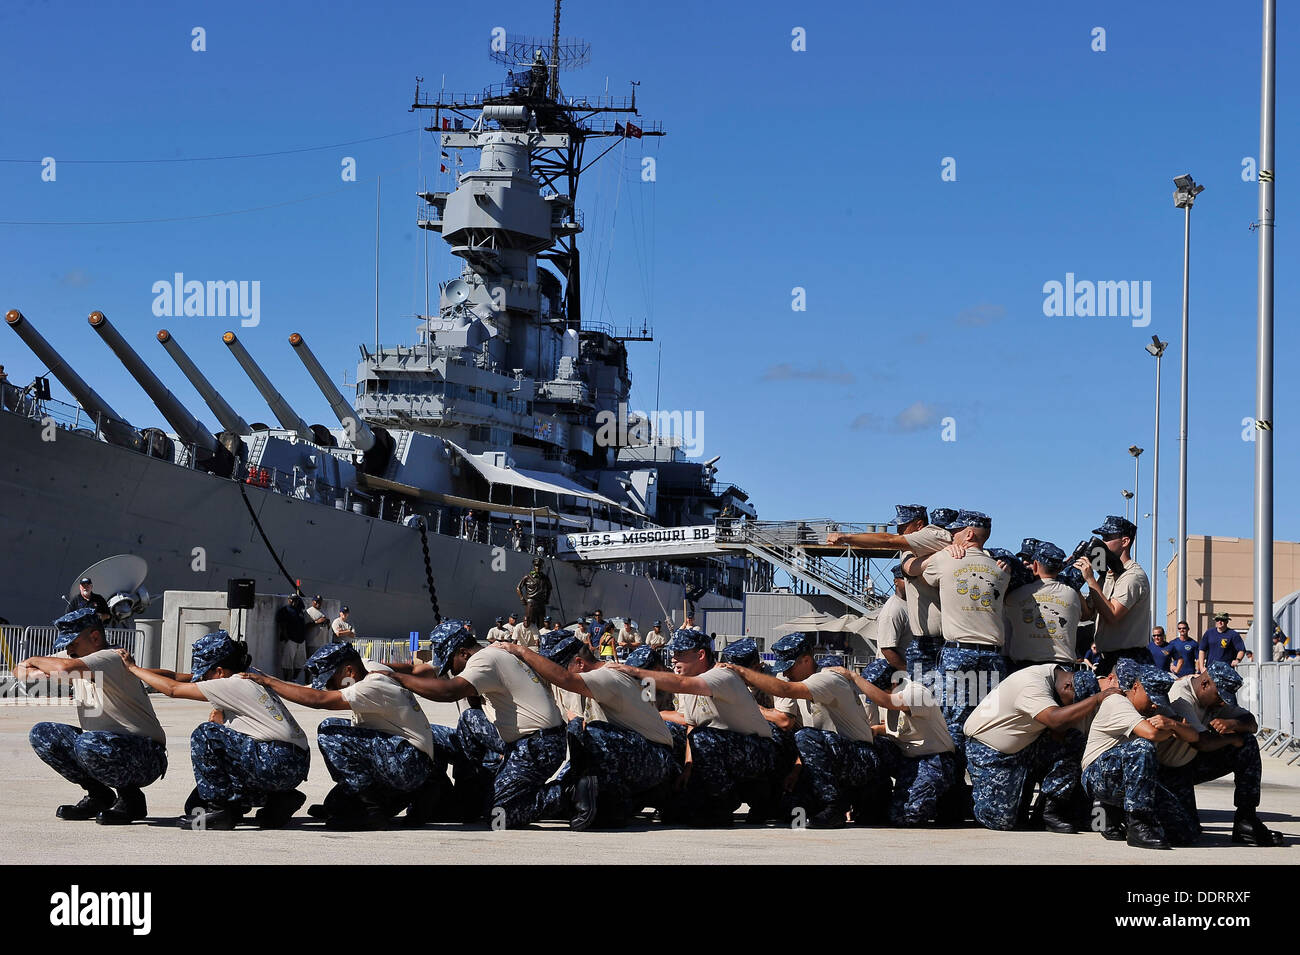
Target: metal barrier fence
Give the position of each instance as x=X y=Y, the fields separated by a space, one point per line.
x=17 y=643
x=1272 y=692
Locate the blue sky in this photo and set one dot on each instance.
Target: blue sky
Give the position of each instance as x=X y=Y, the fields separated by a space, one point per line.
x=817 y=169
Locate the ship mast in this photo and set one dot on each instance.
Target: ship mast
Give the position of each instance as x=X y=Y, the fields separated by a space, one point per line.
x=563 y=125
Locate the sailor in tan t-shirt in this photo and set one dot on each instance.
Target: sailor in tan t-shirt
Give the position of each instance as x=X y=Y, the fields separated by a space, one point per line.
x=526 y=729
x=1030 y=731
x=917 y=749
x=250 y=752
x=1042 y=617
x=119 y=745
x=834 y=738
x=381 y=759
x=1119 y=761
x=624 y=742
x=893 y=626
x=729 y=743
x=1122 y=604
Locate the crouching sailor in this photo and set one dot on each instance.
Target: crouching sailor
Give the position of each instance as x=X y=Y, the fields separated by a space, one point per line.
x=1119 y=763
x=120 y=743
x=251 y=752
x=526 y=730
x=382 y=759
x=1217 y=737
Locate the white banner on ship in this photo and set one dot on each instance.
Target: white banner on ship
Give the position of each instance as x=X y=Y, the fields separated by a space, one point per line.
x=647 y=544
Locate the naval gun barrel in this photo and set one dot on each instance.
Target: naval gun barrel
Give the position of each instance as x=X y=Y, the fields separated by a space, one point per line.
x=229 y=418
x=115 y=428
x=287 y=417
x=363 y=439
x=188 y=428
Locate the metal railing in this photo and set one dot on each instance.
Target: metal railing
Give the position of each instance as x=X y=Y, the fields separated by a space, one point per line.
x=1271 y=691
x=18 y=642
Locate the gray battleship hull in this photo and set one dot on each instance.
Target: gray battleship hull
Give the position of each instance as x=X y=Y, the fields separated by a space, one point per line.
x=67 y=503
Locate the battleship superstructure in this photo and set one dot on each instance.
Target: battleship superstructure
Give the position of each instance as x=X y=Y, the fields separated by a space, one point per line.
x=482 y=439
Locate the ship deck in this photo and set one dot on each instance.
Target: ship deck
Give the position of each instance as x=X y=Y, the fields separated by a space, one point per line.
x=34 y=836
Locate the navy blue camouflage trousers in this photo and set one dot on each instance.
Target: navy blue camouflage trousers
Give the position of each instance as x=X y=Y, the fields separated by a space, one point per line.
x=518 y=771
x=722 y=762
x=376 y=766
x=1004 y=782
x=966 y=677
x=922 y=656
x=1178 y=793
x=629 y=767
x=1124 y=775
x=919 y=784
x=232 y=768
x=87 y=757
x=834 y=769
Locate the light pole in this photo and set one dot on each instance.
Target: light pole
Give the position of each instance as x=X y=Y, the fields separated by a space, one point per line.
x=1137 y=453
x=1185 y=192
x=1156 y=349
x=1128 y=496
x=1264 y=344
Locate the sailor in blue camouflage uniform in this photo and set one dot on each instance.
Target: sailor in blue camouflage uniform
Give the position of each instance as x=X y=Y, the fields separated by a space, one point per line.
x=972 y=587
x=621 y=740
x=1028 y=732
x=916 y=748
x=768 y=798
x=833 y=739
x=1119 y=760
x=119 y=745
x=1215 y=737
x=729 y=743
x=512 y=758
x=382 y=759
x=251 y=752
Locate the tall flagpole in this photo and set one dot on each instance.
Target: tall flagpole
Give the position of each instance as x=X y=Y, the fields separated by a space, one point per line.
x=1263 y=616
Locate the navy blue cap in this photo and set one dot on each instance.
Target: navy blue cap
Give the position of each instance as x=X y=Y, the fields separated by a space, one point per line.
x=970 y=519
x=1115 y=526
x=943 y=516
x=1049 y=555
x=322 y=664
x=645 y=658
x=742 y=653
x=906 y=513
x=1001 y=553
x=880 y=672
x=897 y=571
x=789 y=649
x=686 y=639
x=1027 y=547
x=209 y=650
x=1226 y=680
x=562 y=651
x=1127 y=672
x=1157 y=682
x=500 y=620
x=444 y=640
x=1071 y=575
x=1085 y=685
x=71 y=625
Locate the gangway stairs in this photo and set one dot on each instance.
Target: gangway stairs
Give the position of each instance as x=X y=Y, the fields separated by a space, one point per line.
x=799 y=548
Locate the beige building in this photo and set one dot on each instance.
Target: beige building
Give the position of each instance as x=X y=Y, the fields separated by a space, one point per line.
x=1220 y=580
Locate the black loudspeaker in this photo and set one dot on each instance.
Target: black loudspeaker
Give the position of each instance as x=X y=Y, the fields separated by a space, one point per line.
x=240 y=593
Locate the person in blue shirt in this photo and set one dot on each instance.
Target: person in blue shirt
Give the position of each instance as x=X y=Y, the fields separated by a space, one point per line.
x=1161 y=652
x=1221 y=644
x=1182 y=660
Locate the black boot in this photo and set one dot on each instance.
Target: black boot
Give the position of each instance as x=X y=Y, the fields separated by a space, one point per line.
x=1056 y=815
x=130 y=807
x=216 y=819
x=423 y=804
x=1112 y=823
x=583 y=802
x=1145 y=831
x=279 y=809
x=98 y=798
x=833 y=816
x=1249 y=830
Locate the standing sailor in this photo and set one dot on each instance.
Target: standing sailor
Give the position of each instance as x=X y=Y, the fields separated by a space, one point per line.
x=120 y=743
x=1121 y=604
x=251 y=751
x=1042 y=617
x=893 y=628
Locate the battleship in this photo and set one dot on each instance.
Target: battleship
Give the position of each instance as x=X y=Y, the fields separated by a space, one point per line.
x=459 y=459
